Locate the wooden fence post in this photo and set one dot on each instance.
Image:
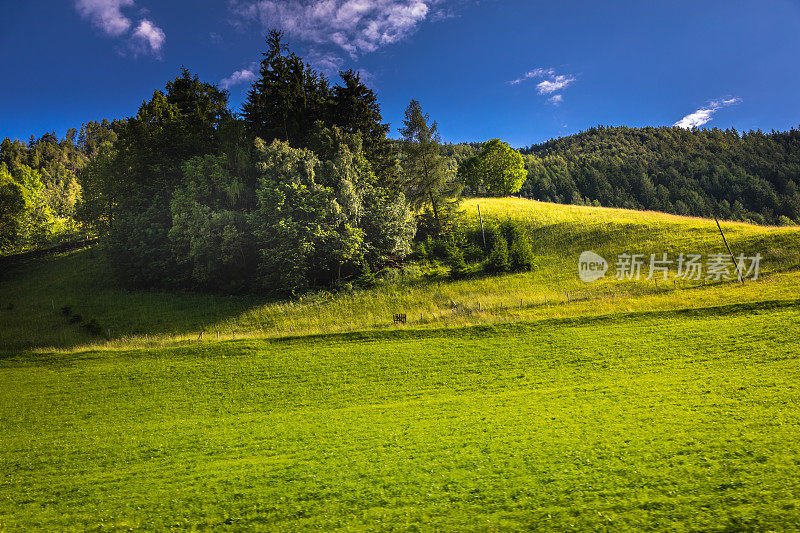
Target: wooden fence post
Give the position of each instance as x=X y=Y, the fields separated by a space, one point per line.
x=482 y=232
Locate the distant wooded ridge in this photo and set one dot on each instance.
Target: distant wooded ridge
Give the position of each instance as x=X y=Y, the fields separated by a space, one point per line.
x=749 y=176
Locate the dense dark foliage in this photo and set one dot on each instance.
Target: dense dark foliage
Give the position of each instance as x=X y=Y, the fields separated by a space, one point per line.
x=305 y=189
x=285 y=199
x=289 y=98
x=749 y=176
x=507 y=248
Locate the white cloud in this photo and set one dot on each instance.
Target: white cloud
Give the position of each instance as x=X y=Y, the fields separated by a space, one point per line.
x=326 y=62
x=106 y=14
x=554 y=84
x=355 y=26
x=705 y=114
x=535 y=73
x=148 y=36
x=246 y=75
x=551 y=83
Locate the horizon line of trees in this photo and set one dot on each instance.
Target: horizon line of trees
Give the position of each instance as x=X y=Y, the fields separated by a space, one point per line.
x=752 y=176
x=304 y=188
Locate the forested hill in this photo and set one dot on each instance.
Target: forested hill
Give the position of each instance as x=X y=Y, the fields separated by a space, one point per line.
x=751 y=176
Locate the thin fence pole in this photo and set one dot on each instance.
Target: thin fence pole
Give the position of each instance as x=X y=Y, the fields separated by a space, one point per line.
x=739 y=272
x=483 y=233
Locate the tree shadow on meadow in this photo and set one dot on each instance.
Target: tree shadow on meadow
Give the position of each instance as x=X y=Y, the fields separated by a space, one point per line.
x=51 y=303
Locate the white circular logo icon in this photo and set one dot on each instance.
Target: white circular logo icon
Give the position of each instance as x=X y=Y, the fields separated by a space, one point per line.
x=591 y=267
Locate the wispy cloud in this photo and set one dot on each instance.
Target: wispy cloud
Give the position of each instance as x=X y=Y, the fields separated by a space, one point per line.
x=550 y=82
x=107 y=16
x=355 y=26
x=705 y=114
x=148 y=37
x=533 y=74
x=246 y=75
x=326 y=62
x=555 y=84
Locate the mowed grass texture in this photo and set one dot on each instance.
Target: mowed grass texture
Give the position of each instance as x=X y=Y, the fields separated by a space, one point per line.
x=669 y=421
x=38 y=290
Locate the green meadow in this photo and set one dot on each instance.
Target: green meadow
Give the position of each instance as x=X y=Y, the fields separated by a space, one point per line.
x=40 y=289
x=520 y=402
x=677 y=421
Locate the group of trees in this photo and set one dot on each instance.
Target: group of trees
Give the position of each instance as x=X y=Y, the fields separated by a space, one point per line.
x=751 y=176
x=40 y=193
x=302 y=190
x=500 y=249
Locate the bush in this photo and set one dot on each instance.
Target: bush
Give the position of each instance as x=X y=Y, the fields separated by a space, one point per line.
x=498 y=261
x=521 y=258
x=366 y=279
x=421 y=252
x=93 y=328
x=455 y=260
x=785 y=221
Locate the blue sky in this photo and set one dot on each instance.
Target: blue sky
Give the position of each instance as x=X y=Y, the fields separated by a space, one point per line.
x=523 y=71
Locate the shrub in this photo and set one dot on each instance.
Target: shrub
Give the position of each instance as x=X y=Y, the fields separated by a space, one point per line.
x=366 y=279
x=521 y=258
x=93 y=328
x=437 y=248
x=455 y=260
x=421 y=251
x=498 y=261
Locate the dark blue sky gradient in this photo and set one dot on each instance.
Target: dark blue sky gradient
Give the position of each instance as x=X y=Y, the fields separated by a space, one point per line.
x=634 y=63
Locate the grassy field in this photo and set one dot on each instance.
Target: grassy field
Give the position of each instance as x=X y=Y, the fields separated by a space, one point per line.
x=530 y=401
x=668 y=421
x=38 y=290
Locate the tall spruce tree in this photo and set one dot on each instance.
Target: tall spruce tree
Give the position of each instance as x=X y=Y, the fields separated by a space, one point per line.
x=287 y=98
x=424 y=168
x=356 y=110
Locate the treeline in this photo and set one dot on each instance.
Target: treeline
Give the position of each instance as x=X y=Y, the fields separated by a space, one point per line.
x=40 y=191
x=304 y=188
x=750 y=176
x=301 y=190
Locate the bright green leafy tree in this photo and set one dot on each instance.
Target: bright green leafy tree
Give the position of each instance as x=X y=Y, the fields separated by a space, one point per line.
x=304 y=234
x=498 y=168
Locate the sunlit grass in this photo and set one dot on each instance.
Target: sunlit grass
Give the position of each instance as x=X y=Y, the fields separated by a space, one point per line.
x=559 y=233
x=666 y=422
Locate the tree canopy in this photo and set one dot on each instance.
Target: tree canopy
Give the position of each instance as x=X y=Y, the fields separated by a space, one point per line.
x=497 y=169
x=428 y=184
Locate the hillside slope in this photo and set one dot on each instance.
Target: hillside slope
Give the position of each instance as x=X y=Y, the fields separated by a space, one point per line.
x=742 y=176
x=38 y=290
x=675 y=422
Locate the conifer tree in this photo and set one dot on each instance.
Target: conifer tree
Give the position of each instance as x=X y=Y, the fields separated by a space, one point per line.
x=424 y=168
